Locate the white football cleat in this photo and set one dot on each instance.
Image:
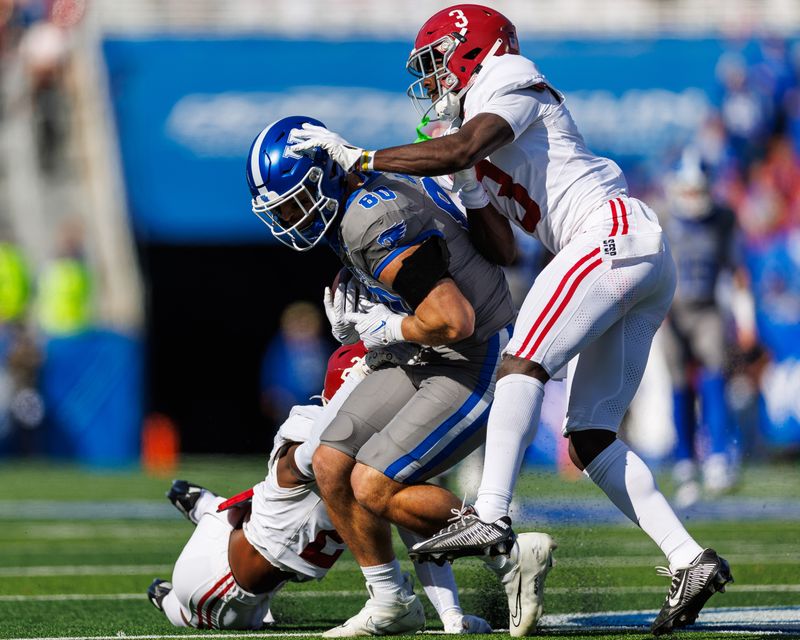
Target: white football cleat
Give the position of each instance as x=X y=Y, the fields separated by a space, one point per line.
x=405 y=616
x=524 y=583
x=455 y=622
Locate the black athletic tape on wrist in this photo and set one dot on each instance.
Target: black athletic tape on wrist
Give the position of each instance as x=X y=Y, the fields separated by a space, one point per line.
x=422 y=270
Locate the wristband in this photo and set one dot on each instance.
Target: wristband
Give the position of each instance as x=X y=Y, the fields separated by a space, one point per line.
x=475 y=198
x=367 y=161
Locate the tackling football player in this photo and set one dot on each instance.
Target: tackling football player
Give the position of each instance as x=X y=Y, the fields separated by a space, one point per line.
x=408 y=245
x=516 y=150
x=240 y=554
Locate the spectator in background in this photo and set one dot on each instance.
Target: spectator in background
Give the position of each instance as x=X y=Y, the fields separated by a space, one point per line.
x=747 y=113
x=44 y=49
x=701 y=234
x=65 y=301
x=21 y=405
x=294 y=362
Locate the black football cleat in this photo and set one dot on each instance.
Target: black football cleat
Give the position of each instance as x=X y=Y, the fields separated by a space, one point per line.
x=157 y=591
x=468 y=535
x=184 y=496
x=690 y=589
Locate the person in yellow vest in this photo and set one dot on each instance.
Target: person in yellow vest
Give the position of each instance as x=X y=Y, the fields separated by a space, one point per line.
x=65 y=297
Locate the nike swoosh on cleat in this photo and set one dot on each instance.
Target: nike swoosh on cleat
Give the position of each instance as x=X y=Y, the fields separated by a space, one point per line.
x=674 y=602
x=516 y=617
x=380 y=629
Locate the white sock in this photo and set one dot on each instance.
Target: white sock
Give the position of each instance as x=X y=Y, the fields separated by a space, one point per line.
x=438 y=582
x=503 y=563
x=305 y=452
x=630 y=485
x=386 y=581
x=513 y=421
x=206 y=503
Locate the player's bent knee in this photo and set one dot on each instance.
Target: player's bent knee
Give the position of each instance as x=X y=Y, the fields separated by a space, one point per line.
x=514 y=365
x=331 y=467
x=585 y=446
x=372 y=489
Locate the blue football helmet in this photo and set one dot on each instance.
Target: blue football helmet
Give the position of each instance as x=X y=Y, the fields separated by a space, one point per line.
x=296 y=195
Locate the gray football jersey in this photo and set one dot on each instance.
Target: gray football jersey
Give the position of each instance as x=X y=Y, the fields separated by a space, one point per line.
x=392 y=212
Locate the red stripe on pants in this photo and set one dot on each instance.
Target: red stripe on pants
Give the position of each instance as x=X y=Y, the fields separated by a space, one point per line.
x=213 y=602
x=564 y=303
x=624 y=216
x=554 y=297
x=615 y=226
x=207 y=595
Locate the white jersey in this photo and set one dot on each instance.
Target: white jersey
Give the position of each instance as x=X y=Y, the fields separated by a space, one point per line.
x=546 y=180
x=291 y=527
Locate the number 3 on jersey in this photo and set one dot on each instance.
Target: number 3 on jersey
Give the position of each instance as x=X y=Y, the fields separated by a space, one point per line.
x=513 y=190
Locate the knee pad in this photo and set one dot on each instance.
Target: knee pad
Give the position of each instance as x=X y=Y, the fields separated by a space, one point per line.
x=346 y=434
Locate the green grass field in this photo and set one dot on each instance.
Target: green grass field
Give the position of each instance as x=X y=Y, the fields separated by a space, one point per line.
x=78 y=549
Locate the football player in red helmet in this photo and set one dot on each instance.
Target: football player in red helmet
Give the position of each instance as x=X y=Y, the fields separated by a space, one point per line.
x=449 y=50
x=244 y=549
x=517 y=156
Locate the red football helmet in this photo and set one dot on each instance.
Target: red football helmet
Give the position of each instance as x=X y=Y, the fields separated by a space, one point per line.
x=339 y=365
x=448 y=50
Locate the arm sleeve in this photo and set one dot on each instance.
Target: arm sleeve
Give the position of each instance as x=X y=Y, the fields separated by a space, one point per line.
x=521 y=108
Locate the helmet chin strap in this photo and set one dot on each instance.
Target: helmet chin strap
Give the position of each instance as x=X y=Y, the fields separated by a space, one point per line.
x=448 y=107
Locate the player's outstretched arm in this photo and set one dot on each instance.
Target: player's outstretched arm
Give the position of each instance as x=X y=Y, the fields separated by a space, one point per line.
x=482 y=135
x=463 y=149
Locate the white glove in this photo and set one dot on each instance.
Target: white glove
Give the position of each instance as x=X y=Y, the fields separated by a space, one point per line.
x=344 y=300
x=343 y=153
x=378 y=327
x=470 y=190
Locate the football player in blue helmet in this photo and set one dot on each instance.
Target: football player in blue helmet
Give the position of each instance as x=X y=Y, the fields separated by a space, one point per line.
x=406 y=242
x=296 y=196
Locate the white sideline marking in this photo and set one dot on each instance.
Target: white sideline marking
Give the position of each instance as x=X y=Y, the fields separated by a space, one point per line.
x=731 y=621
x=85 y=570
x=742 y=588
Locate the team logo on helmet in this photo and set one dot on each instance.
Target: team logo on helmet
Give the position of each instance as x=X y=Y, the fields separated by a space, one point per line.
x=448 y=52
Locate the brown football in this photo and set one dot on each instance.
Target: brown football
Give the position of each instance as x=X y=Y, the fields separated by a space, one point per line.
x=343 y=275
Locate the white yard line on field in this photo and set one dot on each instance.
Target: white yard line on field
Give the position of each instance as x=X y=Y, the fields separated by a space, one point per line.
x=742 y=588
x=561 y=563
x=84 y=570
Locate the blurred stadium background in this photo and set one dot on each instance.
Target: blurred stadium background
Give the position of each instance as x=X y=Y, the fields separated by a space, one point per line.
x=146 y=316
x=138 y=295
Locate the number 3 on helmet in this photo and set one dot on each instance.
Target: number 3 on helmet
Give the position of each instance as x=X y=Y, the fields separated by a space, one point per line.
x=448 y=50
